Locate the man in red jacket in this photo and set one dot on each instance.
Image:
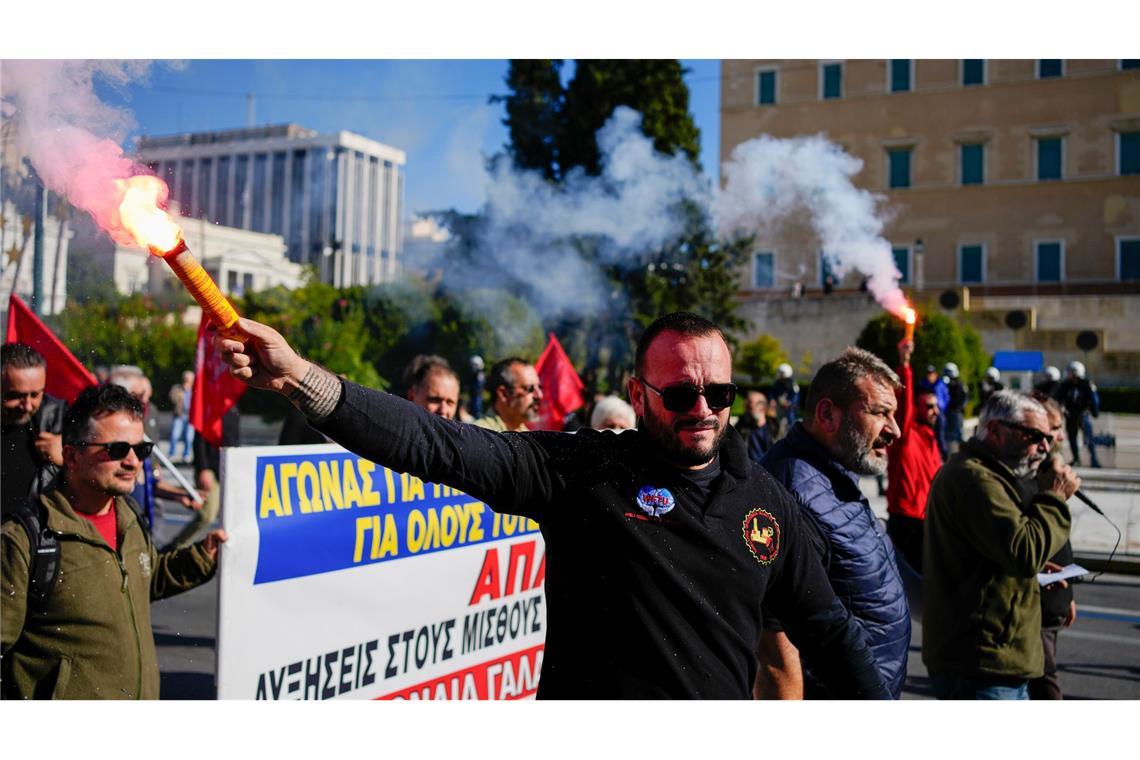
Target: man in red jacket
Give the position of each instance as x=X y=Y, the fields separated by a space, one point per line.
x=912 y=461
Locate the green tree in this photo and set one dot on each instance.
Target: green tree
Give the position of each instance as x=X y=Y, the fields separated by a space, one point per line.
x=759 y=358
x=534 y=113
x=937 y=339
x=654 y=88
x=130 y=330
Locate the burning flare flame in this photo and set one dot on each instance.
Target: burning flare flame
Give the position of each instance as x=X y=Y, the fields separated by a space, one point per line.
x=141 y=216
x=909 y=315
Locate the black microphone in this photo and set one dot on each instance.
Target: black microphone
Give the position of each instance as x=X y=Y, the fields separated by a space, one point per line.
x=1089 y=503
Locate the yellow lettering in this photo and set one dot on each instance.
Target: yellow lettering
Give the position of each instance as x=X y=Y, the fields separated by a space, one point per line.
x=362 y=526
x=496 y=525
x=417 y=528
x=351 y=487
x=388 y=545
x=531 y=524
x=390 y=480
x=448 y=526
x=474 y=510
x=411 y=487
x=309 y=488
x=270 y=501
x=375 y=553
x=288 y=473
x=330 y=485
x=369 y=496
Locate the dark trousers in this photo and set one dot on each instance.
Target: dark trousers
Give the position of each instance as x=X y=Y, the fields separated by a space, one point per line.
x=1047 y=686
x=906 y=534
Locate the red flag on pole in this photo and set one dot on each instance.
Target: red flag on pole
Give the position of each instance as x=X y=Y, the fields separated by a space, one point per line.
x=215 y=390
x=66 y=375
x=561 y=386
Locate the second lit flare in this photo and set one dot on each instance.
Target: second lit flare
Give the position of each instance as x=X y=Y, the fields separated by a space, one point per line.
x=910 y=317
x=153 y=229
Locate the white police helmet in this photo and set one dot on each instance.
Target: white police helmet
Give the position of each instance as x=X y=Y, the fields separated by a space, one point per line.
x=993 y=374
x=1052 y=373
x=950 y=370
x=1077 y=369
x=477 y=363
x=784 y=370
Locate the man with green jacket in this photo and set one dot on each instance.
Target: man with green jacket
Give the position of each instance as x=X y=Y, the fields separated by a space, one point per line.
x=90 y=637
x=984 y=545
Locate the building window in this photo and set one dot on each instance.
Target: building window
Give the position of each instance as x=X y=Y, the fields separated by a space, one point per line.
x=832 y=76
x=763 y=270
x=241 y=192
x=1128 y=255
x=1049 y=259
x=1050 y=68
x=902 y=70
x=1128 y=153
x=902 y=263
x=185 y=189
x=257 y=197
x=766 y=87
x=898 y=161
x=223 y=214
x=973 y=164
x=205 y=172
x=247 y=283
x=973 y=71
x=1129 y=63
x=1049 y=158
x=971 y=264
x=232 y=283
x=277 y=195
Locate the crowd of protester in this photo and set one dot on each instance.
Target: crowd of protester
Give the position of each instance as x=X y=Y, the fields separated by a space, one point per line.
x=856 y=417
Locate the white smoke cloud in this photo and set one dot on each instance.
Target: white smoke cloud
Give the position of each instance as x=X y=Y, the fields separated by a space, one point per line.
x=72 y=139
x=768 y=181
x=534 y=229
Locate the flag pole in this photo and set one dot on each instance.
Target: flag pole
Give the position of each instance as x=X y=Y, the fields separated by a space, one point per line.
x=165 y=461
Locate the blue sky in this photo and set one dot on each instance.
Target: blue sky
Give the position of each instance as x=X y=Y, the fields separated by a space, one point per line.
x=437 y=111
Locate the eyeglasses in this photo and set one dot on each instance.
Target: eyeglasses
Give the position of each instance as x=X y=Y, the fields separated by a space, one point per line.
x=1033 y=434
x=682 y=396
x=117 y=450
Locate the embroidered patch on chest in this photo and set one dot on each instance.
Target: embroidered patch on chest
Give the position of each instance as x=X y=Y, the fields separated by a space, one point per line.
x=655 y=502
x=144 y=563
x=762 y=534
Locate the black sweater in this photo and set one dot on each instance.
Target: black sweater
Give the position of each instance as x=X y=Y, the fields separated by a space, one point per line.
x=638 y=605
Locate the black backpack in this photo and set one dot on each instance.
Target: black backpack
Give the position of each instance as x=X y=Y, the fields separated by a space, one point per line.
x=43 y=545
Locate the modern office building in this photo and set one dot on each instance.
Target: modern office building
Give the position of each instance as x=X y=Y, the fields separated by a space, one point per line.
x=336 y=199
x=1012 y=185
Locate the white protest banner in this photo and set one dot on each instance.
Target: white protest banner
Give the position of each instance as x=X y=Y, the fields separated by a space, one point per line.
x=343 y=579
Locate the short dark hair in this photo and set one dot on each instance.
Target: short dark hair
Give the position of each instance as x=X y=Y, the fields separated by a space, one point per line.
x=681 y=322
x=836 y=379
x=20 y=356
x=97 y=401
x=501 y=374
x=423 y=365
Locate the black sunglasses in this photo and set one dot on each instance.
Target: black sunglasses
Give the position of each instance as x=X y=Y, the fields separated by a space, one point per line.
x=682 y=396
x=1033 y=434
x=119 y=449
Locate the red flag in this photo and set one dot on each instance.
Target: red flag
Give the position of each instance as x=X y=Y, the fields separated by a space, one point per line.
x=561 y=386
x=66 y=375
x=215 y=390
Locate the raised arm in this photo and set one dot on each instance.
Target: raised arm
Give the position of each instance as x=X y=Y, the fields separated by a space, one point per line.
x=509 y=471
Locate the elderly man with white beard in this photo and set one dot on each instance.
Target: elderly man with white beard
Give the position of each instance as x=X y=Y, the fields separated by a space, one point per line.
x=984 y=545
x=848 y=425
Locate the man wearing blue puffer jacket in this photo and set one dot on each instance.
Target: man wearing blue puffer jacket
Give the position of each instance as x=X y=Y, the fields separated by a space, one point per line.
x=848 y=425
